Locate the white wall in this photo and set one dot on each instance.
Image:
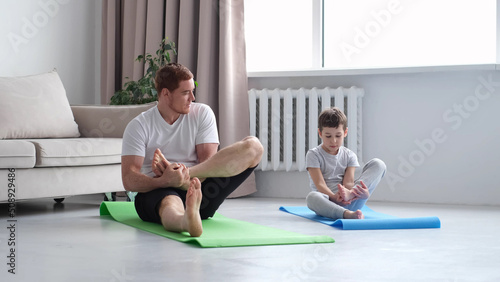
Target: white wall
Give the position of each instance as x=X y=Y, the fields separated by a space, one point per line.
x=400 y=110
x=454 y=117
x=40 y=35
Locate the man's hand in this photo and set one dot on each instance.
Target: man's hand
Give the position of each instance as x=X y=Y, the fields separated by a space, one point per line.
x=176 y=175
x=360 y=191
x=159 y=164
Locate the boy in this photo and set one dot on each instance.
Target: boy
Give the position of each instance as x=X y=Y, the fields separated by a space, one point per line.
x=335 y=193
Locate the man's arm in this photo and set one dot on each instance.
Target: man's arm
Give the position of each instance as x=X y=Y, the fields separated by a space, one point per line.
x=134 y=180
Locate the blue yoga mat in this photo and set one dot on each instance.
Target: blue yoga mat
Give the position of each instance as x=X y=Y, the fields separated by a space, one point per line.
x=373 y=220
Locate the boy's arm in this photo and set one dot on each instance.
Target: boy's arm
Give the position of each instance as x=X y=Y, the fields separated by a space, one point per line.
x=319 y=181
x=348 y=180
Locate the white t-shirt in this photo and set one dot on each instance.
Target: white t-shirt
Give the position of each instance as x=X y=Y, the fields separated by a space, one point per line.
x=332 y=166
x=149 y=131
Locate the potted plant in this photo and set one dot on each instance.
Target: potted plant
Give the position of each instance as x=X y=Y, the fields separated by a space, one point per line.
x=143 y=90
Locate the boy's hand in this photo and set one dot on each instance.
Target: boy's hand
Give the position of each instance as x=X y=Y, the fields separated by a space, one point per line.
x=337 y=199
x=345 y=193
x=360 y=191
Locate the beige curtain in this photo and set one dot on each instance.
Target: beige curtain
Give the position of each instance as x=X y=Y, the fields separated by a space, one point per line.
x=129 y=28
x=209 y=35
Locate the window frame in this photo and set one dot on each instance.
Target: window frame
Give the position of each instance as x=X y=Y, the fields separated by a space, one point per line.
x=318 y=56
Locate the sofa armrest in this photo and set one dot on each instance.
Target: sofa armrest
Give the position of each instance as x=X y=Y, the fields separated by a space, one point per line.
x=105 y=120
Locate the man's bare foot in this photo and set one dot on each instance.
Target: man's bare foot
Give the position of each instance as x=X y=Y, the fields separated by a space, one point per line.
x=353 y=214
x=192 y=220
x=345 y=193
x=159 y=163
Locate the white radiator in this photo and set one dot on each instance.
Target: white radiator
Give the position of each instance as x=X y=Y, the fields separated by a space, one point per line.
x=286 y=122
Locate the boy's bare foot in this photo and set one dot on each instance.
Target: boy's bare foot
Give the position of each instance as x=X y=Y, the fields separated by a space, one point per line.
x=345 y=193
x=353 y=214
x=192 y=220
x=159 y=163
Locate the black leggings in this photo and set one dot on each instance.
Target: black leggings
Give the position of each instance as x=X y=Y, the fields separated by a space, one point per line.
x=214 y=190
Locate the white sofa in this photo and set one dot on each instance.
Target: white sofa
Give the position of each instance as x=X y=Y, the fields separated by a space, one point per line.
x=51 y=149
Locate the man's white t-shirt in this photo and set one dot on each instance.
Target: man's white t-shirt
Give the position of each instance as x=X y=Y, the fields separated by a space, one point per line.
x=149 y=131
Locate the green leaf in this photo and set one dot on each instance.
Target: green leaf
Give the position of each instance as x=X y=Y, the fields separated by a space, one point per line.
x=143 y=90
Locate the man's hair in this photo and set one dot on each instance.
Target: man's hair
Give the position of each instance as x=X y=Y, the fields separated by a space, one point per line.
x=332 y=117
x=170 y=76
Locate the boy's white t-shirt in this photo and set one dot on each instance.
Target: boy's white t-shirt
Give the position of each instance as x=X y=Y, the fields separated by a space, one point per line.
x=149 y=131
x=332 y=166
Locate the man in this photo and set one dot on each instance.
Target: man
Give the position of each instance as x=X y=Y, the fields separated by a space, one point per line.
x=194 y=179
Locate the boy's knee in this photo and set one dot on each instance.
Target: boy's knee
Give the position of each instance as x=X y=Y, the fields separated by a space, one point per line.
x=378 y=164
x=309 y=199
x=313 y=197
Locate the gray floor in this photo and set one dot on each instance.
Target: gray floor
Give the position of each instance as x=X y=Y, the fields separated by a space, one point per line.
x=69 y=242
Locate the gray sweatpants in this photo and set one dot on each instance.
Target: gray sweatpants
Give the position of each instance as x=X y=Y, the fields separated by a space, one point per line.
x=372 y=173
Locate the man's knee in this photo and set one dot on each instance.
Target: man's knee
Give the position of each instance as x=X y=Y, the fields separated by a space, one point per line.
x=170 y=202
x=252 y=144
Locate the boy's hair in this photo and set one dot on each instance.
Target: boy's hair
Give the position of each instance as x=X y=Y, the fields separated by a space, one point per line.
x=332 y=117
x=170 y=76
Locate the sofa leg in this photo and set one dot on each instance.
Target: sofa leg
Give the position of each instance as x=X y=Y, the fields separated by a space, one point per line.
x=111 y=196
x=131 y=196
x=59 y=200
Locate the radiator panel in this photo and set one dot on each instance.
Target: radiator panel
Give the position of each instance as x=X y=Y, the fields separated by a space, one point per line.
x=286 y=122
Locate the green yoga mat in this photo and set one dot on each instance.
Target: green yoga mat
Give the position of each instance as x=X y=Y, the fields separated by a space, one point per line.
x=218 y=231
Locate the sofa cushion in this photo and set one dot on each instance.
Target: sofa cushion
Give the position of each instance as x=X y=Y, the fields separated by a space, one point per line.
x=106 y=120
x=77 y=151
x=17 y=154
x=35 y=106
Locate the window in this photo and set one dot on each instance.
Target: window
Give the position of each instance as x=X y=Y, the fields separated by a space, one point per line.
x=340 y=34
x=278 y=34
